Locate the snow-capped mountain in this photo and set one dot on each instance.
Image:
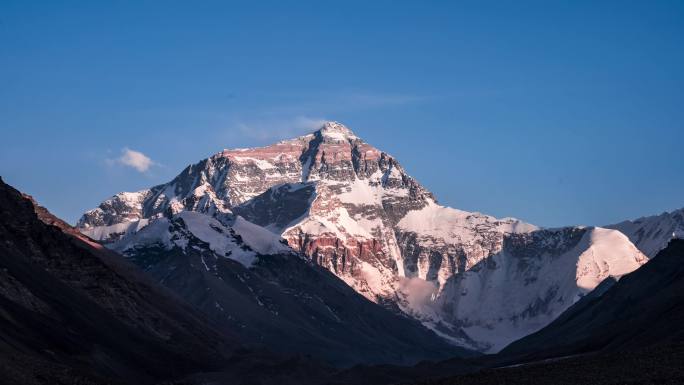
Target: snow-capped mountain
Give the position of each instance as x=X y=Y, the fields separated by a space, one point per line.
x=353 y=209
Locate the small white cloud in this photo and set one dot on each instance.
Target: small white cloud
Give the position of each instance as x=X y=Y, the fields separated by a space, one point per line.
x=135 y=159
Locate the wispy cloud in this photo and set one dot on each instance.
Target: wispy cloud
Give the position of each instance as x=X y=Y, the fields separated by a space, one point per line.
x=295 y=114
x=258 y=117
x=273 y=129
x=134 y=159
x=341 y=102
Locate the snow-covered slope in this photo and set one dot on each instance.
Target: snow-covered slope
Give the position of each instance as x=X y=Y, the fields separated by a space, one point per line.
x=465 y=237
x=242 y=241
x=534 y=278
x=354 y=210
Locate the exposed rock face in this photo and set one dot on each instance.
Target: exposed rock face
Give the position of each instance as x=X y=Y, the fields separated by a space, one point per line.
x=353 y=209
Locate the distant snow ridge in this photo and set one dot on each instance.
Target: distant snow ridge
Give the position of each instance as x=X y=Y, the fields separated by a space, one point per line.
x=532 y=280
x=478 y=281
x=652 y=234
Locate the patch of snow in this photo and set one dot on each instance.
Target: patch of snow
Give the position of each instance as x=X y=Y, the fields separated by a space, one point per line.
x=337 y=132
x=373 y=277
x=258 y=238
x=260 y=163
x=610 y=254
x=337 y=222
x=452 y=224
x=360 y=192
x=102 y=233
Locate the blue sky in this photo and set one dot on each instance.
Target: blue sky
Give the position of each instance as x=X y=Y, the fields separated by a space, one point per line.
x=558 y=113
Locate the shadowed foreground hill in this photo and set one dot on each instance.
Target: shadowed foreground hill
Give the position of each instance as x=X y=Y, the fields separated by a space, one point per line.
x=657 y=365
x=73 y=312
x=70 y=308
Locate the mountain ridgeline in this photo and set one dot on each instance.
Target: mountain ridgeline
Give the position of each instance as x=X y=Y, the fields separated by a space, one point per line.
x=477 y=281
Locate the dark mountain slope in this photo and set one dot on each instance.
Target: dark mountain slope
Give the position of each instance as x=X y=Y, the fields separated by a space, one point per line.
x=69 y=305
x=656 y=365
x=281 y=302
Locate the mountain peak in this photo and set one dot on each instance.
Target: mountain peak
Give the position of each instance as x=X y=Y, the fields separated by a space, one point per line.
x=336 y=131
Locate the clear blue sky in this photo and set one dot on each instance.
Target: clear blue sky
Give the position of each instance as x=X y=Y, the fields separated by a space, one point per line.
x=555 y=112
